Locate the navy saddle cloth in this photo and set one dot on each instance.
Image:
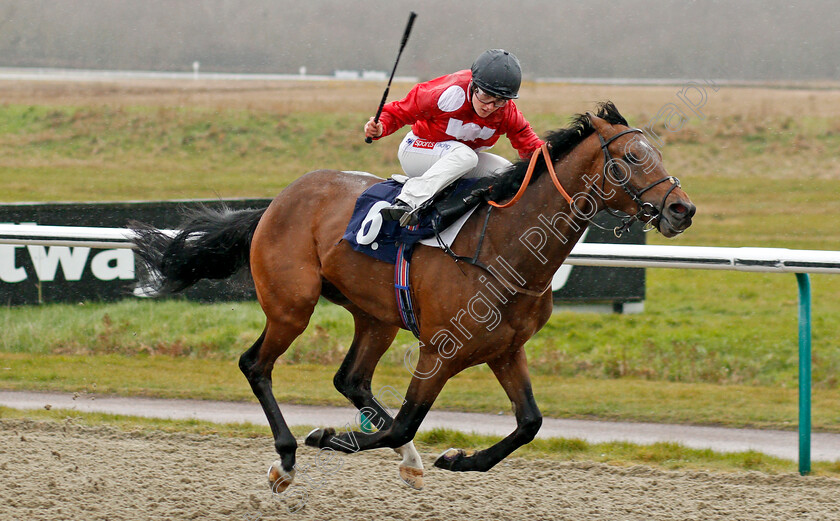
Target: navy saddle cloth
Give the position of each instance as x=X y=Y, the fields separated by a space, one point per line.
x=368 y=233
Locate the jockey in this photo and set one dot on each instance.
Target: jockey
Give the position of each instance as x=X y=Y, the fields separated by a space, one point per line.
x=453 y=119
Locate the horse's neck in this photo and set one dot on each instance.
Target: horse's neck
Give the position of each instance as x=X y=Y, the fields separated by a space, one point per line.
x=541 y=234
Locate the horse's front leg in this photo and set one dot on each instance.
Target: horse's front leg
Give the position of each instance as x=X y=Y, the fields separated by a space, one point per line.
x=512 y=372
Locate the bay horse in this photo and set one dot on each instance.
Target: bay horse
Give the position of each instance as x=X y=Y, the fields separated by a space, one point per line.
x=466 y=314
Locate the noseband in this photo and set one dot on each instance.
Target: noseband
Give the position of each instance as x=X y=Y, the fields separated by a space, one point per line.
x=647 y=213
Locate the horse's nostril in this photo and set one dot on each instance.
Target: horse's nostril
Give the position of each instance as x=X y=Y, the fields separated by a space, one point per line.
x=684 y=210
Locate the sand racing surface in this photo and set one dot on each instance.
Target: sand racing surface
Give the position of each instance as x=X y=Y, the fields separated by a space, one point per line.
x=56 y=471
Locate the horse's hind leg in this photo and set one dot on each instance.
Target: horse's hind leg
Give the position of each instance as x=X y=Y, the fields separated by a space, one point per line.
x=353 y=379
x=257 y=363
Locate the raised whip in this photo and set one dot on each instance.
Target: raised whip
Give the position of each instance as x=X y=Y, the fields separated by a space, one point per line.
x=411 y=18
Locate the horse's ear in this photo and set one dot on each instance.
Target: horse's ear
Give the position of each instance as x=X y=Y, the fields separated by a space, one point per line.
x=600 y=124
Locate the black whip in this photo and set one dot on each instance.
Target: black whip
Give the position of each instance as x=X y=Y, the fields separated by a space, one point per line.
x=411 y=18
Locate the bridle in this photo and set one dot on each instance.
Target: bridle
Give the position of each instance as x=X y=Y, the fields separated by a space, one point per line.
x=647 y=213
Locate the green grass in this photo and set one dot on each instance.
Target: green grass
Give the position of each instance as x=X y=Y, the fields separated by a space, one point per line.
x=104 y=153
x=474 y=390
x=669 y=456
x=698 y=326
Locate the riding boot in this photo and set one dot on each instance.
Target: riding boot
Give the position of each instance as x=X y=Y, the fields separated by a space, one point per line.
x=400 y=211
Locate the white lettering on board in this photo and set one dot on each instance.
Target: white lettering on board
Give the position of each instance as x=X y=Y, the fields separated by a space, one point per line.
x=46 y=261
x=9 y=272
x=113 y=264
x=106 y=265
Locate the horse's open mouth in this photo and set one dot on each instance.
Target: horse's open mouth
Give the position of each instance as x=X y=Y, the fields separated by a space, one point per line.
x=675 y=218
x=669 y=230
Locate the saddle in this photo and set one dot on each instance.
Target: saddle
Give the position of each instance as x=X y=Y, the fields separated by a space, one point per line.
x=458 y=198
x=368 y=233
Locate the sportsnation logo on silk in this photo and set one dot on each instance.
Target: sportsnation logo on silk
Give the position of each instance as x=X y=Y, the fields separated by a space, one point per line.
x=422 y=143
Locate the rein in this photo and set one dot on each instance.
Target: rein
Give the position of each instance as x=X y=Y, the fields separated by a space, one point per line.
x=529 y=173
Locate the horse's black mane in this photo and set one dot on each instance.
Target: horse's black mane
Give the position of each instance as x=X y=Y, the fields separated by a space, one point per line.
x=560 y=143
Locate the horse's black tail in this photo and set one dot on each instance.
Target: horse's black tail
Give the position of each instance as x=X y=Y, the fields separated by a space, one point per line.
x=209 y=244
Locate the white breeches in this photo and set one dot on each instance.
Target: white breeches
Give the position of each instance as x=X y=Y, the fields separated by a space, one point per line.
x=431 y=166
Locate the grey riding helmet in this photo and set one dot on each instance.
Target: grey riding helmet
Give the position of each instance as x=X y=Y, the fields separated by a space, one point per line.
x=497 y=72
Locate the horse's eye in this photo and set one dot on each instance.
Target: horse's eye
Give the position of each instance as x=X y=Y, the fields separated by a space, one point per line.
x=630 y=158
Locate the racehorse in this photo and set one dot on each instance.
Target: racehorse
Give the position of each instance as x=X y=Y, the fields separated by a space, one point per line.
x=466 y=314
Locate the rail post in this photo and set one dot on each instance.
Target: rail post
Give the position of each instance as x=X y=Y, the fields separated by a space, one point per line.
x=804 y=373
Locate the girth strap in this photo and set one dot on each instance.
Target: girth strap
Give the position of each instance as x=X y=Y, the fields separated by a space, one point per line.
x=403 y=289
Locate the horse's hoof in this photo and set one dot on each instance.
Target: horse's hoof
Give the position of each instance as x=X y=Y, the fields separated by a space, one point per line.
x=413 y=477
x=449 y=459
x=411 y=466
x=317 y=437
x=278 y=479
